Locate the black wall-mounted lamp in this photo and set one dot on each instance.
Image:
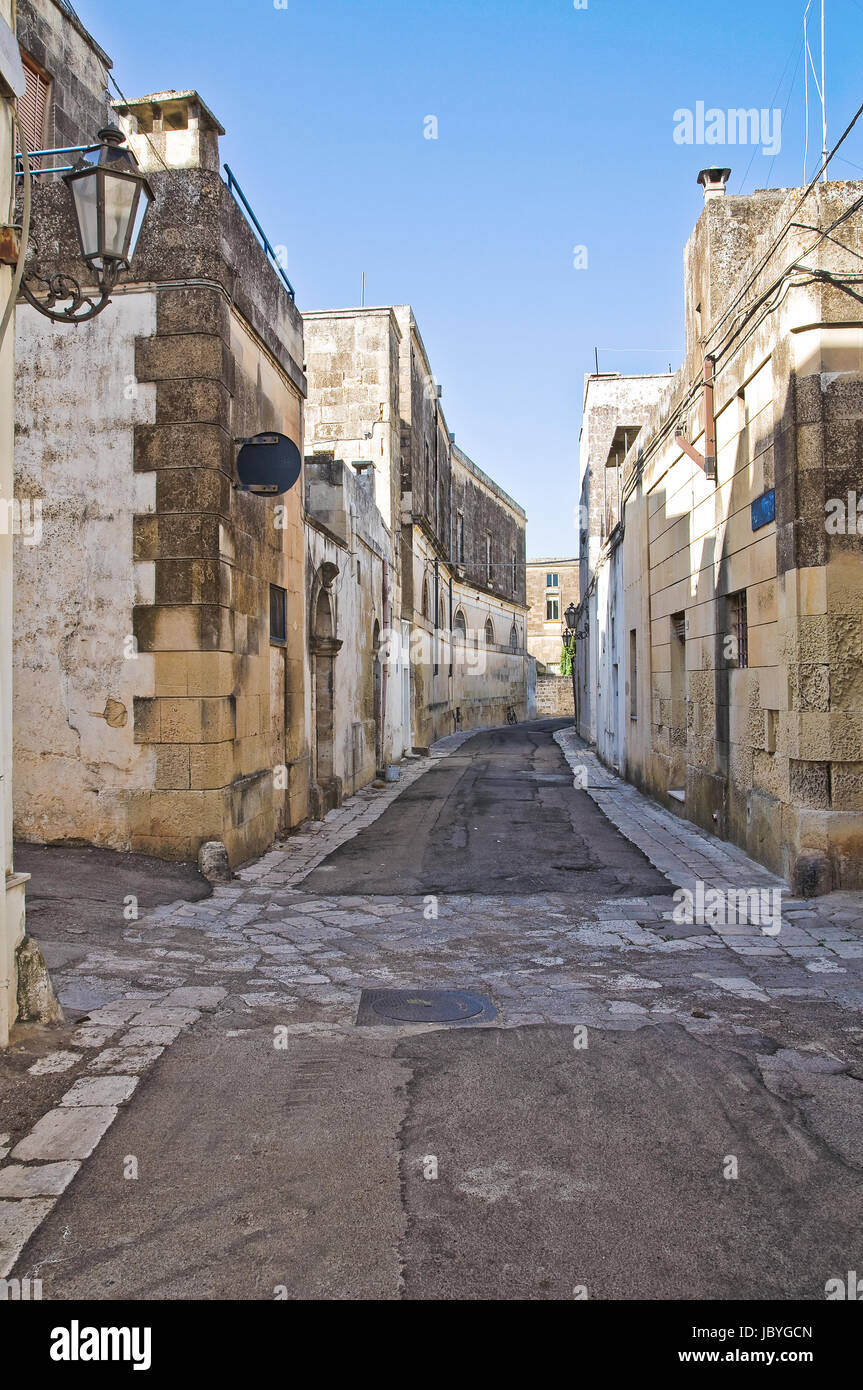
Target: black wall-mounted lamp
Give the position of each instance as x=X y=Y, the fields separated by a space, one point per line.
x=111 y=198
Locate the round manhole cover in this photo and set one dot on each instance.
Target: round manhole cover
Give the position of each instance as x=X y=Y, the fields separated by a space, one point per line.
x=429 y=1006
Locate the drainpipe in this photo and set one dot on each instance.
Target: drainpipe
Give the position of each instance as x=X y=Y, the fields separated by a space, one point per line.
x=450 y=631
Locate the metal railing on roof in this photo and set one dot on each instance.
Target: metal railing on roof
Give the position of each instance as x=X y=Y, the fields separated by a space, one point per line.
x=241 y=198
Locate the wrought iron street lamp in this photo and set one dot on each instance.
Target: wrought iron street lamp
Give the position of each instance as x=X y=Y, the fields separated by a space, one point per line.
x=111 y=198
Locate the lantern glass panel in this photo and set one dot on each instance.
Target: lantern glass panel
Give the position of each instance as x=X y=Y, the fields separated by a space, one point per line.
x=85 y=192
x=140 y=213
x=119 y=205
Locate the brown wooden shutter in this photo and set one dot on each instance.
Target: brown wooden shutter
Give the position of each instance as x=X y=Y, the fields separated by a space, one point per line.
x=33 y=107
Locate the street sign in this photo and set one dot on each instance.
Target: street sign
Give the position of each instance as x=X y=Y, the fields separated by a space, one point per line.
x=763 y=510
x=268 y=464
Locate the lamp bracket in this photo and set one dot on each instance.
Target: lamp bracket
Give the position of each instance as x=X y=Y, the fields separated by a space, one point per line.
x=58 y=288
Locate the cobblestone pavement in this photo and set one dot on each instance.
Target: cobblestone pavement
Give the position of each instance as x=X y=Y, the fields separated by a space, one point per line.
x=264 y=951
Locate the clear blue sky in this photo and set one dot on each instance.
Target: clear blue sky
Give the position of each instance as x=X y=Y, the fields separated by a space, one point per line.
x=555 y=130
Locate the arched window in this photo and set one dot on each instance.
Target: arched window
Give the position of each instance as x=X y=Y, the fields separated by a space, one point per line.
x=426 y=600
x=441 y=622
x=459 y=627
x=489 y=632
x=513 y=638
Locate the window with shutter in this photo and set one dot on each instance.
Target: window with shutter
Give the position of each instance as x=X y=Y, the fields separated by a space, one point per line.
x=33 y=107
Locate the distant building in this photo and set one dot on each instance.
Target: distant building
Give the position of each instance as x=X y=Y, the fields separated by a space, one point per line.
x=457 y=615
x=552 y=585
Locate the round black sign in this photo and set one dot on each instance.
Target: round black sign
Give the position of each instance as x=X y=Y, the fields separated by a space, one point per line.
x=269 y=464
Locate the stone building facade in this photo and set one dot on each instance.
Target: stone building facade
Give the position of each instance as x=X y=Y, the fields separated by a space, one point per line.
x=356 y=682
x=732 y=602
x=194 y=662
x=552 y=585
x=154 y=696
x=458 y=597
x=615 y=409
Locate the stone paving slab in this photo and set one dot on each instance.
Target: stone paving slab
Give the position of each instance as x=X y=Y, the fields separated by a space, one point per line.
x=261 y=948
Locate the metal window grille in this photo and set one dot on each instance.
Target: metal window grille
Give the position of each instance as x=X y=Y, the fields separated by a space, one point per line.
x=278 y=614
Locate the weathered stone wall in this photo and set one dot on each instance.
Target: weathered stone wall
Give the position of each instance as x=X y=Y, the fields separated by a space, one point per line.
x=763 y=746
x=349 y=568
x=426 y=454
x=78 y=68
x=352 y=364
x=488 y=512
x=11 y=546
x=553 y=696
x=615 y=407
x=76 y=673
x=367 y=371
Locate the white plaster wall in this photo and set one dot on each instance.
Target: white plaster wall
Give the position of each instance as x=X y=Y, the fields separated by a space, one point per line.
x=77 y=403
x=11 y=899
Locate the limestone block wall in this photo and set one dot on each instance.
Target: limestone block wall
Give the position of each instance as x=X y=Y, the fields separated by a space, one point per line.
x=762 y=745
x=352 y=408
x=463 y=680
x=76 y=67
x=372 y=397
x=228 y=703
x=553 y=696
x=488 y=514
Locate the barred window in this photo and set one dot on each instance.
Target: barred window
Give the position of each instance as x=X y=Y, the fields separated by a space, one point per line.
x=278 y=614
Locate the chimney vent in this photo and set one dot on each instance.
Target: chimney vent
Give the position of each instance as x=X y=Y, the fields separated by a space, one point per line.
x=174 y=130
x=713 y=182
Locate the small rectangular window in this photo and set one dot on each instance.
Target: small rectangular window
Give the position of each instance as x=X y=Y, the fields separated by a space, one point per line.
x=552 y=581
x=278 y=614
x=459 y=538
x=514 y=572
x=552 y=610
x=633 y=674
x=488 y=557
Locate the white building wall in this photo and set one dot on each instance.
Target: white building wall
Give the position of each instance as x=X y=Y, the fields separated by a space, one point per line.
x=76 y=670
x=12 y=897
